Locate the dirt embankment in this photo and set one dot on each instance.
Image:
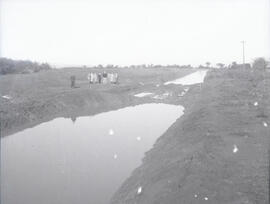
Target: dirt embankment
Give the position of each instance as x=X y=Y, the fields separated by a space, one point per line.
x=39 y=97
x=216 y=153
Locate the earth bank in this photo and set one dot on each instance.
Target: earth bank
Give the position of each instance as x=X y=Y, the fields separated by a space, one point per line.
x=216 y=153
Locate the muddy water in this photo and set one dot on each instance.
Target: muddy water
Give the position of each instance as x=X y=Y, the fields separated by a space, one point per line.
x=82 y=160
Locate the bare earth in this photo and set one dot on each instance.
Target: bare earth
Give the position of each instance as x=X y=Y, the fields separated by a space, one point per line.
x=216 y=153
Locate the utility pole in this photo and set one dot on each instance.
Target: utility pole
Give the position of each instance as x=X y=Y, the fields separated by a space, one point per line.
x=243 y=42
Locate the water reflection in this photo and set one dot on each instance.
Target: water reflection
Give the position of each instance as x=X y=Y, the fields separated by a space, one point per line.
x=73 y=119
x=83 y=160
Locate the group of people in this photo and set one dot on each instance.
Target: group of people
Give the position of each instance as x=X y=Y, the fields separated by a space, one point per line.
x=102 y=78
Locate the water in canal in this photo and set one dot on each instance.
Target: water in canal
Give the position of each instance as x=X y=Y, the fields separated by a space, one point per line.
x=80 y=161
x=194 y=78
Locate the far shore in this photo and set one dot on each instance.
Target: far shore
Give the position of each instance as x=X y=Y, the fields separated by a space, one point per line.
x=43 y=96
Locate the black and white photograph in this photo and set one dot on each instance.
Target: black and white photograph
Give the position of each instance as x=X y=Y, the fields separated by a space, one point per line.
x=135 y=102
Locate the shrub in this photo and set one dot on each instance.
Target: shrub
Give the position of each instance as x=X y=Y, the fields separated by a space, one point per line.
x=259 y=63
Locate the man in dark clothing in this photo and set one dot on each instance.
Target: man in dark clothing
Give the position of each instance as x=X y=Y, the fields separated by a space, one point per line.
x=99 y=78
x=72 y=80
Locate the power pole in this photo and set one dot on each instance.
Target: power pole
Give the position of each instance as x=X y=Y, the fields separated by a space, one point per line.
x=243 y=42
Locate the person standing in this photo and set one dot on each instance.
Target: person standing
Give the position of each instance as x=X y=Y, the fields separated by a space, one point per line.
x=99 y=78
x=104 y=77
x=89 y=77
x=116 y=78
x=92 y=78
x=95 y=78
x=72 y=80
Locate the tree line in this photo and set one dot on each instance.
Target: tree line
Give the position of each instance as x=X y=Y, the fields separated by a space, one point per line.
x=111 y=66
x=258 y=63
x=9 y=66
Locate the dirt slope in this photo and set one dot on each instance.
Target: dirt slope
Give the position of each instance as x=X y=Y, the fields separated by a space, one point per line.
x=216 y=153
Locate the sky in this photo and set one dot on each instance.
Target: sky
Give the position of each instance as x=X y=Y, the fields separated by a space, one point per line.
x=124 y=32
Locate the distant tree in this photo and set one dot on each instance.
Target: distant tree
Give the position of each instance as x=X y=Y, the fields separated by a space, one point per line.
x=143 y=66
x=220 y=65
x=9 y=66
x=234 y=64
x=110 y=66
x=207 y=64
x=201 y=66
x=100 y=66
x=259 y=63
x=45 y=66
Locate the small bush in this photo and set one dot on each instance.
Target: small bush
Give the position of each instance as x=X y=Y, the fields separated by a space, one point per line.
x=259 y=64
